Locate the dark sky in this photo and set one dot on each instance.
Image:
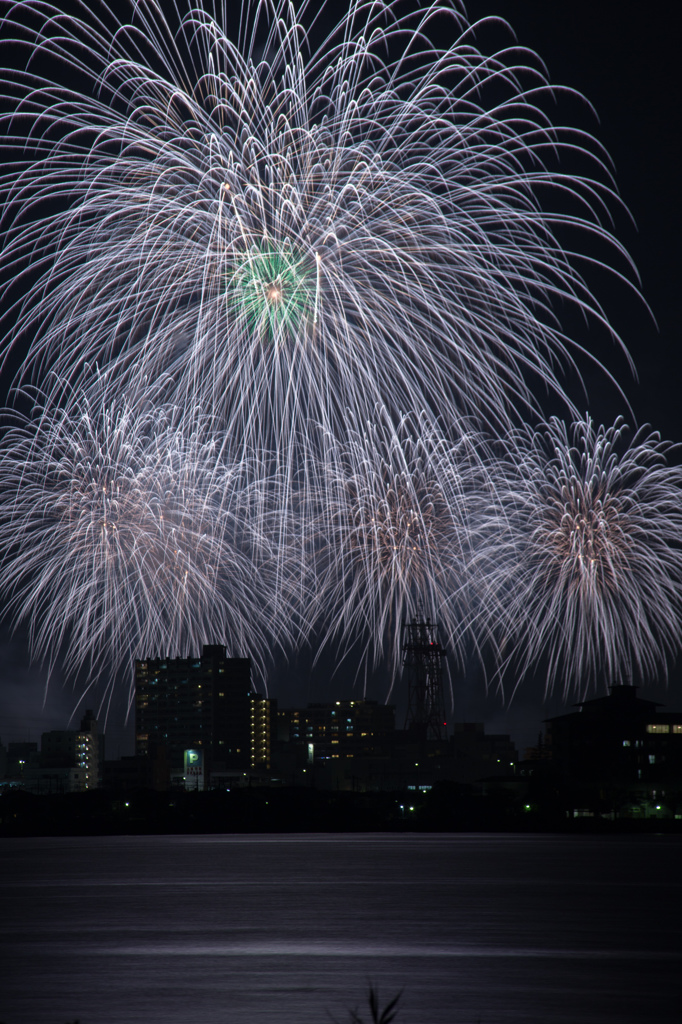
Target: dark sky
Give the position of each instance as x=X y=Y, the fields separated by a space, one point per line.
x=624 y=56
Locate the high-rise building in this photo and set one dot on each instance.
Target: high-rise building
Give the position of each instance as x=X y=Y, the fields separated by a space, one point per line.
x=200 y=704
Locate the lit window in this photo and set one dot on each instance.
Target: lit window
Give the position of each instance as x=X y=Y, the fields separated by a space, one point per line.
x=677 y=729
x=652 y=759
x=626 y=743
x=658 y=728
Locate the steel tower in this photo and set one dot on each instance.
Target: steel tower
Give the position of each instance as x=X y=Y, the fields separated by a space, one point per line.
x=422 y=663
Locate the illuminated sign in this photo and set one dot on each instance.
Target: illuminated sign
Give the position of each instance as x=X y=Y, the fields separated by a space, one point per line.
x=194 y=762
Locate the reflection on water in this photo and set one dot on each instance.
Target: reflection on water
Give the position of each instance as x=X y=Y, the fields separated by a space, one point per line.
x=211 y=930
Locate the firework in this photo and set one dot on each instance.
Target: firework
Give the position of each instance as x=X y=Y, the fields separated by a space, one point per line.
x=296 y=236
x=121 y=535
x=315 y=238
x=587 y=544
x=394 y=540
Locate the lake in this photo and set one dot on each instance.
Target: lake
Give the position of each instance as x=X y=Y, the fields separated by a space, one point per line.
x=476 y=929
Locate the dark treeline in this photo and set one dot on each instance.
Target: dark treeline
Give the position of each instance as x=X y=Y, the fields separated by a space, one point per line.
x=448 y=807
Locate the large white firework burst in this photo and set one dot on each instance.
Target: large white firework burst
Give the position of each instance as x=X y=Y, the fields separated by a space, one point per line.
x=297 y=234
x=394 y=539
x=588 y=553
x=122 y=535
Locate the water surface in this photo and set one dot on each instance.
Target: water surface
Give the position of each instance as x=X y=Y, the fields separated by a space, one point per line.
x=237 y=929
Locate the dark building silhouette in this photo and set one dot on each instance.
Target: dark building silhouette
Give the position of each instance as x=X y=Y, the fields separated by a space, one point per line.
x=619 y=754
x=201 y=703
x=478 y=755
x=149 y=771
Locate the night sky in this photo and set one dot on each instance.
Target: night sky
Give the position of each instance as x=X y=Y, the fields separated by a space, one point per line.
x=624 y=57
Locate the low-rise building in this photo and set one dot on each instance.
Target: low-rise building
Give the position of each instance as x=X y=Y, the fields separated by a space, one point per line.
x=74 y=756
x=619 y=754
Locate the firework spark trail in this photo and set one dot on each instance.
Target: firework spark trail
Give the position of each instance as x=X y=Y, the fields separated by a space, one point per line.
x=122 y=535
x=394 y=538
x=588 y=552
x=297 y=238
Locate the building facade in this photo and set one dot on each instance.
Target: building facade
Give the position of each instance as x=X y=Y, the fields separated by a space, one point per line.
x=71 y=759
x=200 y=704
x=263 y=731
x=340 y=729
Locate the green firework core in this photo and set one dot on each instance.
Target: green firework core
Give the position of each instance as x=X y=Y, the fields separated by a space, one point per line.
x=272 y=290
